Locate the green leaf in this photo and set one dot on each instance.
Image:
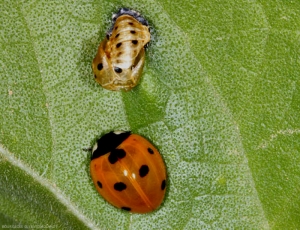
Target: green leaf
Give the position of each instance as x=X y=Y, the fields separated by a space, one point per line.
x=219 y=97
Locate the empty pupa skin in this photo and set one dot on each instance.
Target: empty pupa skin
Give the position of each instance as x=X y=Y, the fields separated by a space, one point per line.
x=119 y=62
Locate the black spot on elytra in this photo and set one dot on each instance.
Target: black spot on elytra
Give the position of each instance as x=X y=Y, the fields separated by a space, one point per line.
x=163 y=185
x=100 y=66
x=99 y=184
x=134 y=42
x=144 y=170
x=109 y=142
x=132 y=31
x=118 y=70
x=120 y=186
x=130 y=23
x=150 y=151
x=119 y=44
x=107 y=36
x=117 y=35
x=115 y=155
x=116 y=27
x=95 y=76
x=126 y=208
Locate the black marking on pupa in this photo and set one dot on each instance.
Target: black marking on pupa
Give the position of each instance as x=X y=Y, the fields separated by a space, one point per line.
x=130 y=12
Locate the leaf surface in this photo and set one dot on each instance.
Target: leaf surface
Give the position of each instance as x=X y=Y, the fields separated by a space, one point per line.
x=219 y=97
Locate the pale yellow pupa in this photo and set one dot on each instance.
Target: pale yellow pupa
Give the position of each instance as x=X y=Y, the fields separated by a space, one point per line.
x=120 y=59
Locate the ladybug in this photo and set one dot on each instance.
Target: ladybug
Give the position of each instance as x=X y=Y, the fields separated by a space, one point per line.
x=120 y=59
x=128 y=171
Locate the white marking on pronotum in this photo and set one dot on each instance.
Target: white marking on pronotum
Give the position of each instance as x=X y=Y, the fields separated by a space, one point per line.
x=95 y=147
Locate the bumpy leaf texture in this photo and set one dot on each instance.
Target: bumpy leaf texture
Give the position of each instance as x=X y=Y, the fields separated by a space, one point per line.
x=219 y=97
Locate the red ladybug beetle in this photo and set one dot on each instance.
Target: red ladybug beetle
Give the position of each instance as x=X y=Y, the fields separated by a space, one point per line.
x=128 y=172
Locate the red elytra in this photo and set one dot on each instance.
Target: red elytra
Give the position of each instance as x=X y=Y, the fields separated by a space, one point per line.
x=129 y=172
